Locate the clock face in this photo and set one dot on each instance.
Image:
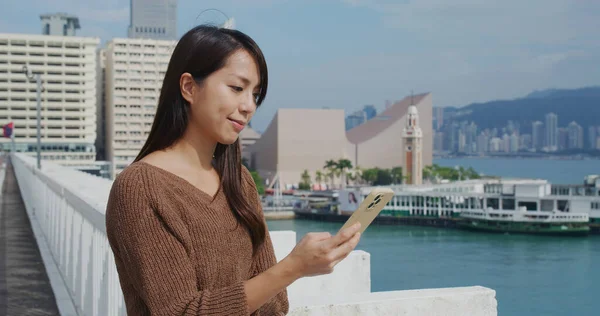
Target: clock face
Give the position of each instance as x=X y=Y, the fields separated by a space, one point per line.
x=409 y=148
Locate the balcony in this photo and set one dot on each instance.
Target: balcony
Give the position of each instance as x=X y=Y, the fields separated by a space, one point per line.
x=66 y=210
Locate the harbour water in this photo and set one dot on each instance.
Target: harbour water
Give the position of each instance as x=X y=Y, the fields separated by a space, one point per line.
x=532 y=275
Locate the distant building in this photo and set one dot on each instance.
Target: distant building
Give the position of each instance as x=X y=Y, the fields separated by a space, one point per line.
x=370 y=112
x=355 y=119
x=303 y=139
x=537 y=135
x=413 y=148
x=438 y=142
x=360 y=117
x=563 y=139
x=525 y=141
x=483 y=143
x=67 y=65
x=438 y=117
x=592 y=137
x=514 y=143
x=496 y=144
x=101 y=106
x=153 y=19
x=248 y=137
x=575 y=136
x=552 y=132
x=134 y=74
x=462 y=142
x=59 y=24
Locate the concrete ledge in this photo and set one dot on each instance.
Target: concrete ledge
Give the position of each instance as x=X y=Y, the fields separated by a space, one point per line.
x=473 y=301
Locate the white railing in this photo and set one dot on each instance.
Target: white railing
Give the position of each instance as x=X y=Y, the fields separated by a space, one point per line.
x=66 y=209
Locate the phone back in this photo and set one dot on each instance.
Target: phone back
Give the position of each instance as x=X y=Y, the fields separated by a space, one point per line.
x=370 y=207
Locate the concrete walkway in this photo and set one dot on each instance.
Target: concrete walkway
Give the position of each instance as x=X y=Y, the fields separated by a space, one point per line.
x=24 y=285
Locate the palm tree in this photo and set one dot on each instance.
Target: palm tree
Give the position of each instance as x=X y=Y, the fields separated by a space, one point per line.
x=330 y=167
x=319 y=176
x=342 y=166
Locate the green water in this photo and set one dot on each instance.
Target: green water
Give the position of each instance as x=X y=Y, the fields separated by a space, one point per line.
x=532 y=275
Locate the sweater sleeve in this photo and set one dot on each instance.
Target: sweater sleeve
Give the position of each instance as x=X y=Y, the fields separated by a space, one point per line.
x=150 y=245
x=265 y=257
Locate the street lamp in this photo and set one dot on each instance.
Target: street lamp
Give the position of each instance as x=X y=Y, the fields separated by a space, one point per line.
x=38 y=81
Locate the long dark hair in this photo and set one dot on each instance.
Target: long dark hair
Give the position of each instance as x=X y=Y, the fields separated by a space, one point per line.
x=200 y=52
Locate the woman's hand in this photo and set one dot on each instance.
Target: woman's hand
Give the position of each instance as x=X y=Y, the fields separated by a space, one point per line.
x=319 y=253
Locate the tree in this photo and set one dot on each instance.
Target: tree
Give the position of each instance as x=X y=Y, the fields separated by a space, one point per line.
x=258 y=180
x=472 y=174
x=343 y=165
x=369 y=175
x=319 y=176
x=306 y=183
x=396 y=174
x=428 y=173
x=384 y=177
x=330 y=167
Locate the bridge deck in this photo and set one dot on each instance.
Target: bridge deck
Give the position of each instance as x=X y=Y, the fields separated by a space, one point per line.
x=24 y=285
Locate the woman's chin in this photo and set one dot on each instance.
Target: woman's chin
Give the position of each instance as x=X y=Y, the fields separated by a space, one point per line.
x=228 y=139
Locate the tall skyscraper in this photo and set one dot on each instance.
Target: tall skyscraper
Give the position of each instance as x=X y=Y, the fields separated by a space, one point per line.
x=483 y=143
x=153 y=19
x=438 y=116
x=514 y=143
x=537 y=135
x=592 y=136
x=575 y=136
x=552 y=132
x=355 y=119
x=59 y=24
x=563 y=139
x=67 y=66
x=413 y=147
x=134 y=73
x=370 y=112
x=438 y=142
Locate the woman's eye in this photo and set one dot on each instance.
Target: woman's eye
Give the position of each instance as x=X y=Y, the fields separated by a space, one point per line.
x=256 y=96
x=236 y=88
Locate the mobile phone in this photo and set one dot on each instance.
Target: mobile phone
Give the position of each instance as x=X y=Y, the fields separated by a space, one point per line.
x=370 y=207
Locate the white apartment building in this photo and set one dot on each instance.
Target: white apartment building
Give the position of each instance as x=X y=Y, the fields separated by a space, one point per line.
x=67 y=66
x=134 y=72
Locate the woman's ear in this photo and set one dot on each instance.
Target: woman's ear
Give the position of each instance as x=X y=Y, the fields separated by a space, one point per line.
x=187 y=85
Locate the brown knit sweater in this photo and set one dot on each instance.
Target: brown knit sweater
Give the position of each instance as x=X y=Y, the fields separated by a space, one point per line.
x=179 y=251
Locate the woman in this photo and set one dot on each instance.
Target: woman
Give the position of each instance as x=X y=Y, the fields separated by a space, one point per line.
x=184 y=220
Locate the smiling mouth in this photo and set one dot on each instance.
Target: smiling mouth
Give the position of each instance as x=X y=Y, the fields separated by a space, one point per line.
x=239 y=125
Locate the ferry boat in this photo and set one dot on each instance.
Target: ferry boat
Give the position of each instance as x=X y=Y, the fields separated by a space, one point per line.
x=530 y=206
x=526 y=222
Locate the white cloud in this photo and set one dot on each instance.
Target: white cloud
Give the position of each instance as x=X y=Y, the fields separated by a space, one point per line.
x=509 y=21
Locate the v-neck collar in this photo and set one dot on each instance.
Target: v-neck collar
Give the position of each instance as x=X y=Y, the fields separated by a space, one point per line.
x=184 y=182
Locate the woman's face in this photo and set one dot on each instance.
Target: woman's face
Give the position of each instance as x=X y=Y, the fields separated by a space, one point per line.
x=222 y=105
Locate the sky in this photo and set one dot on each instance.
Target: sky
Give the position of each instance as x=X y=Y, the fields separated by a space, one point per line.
x=349 y=53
